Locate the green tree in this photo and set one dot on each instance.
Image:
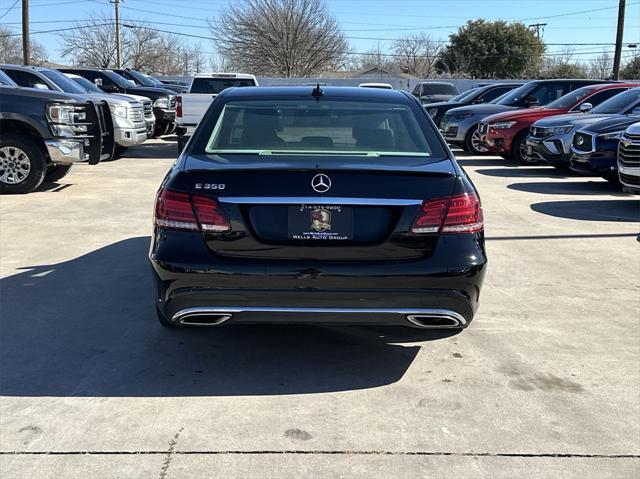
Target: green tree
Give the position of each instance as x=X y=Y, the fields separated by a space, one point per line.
x=631 y=70
x=492 y=49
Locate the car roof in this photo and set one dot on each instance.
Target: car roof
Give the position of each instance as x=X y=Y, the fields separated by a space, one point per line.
x=606 y=86
x=586 y=81
x=297 y=92
x=23 y=67
x=83 y=69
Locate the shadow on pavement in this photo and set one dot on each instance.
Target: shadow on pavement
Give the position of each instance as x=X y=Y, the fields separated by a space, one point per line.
x=524 y=172
x=151 y=150
x=52 y=187
x=577 y=188
x=86 y=327
x=592 y=210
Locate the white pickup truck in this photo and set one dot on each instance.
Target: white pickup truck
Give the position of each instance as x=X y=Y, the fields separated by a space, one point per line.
x=204 y=87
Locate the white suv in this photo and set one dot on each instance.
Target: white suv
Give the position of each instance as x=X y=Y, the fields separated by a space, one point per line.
x=629 y=158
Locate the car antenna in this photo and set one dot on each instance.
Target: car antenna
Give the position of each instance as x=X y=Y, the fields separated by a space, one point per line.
x=317 y=92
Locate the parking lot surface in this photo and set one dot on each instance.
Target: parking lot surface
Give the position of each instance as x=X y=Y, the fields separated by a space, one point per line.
x=544 y=383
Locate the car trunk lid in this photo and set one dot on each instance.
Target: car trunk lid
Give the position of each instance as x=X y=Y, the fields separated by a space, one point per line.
x=320 y=212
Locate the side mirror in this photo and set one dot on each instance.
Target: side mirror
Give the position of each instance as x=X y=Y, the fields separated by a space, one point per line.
x=478 y=100
x=40 y=86
x=585 y=107
x=98 y=82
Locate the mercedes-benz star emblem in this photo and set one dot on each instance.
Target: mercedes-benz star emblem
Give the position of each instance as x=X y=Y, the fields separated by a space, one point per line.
x=321 y=183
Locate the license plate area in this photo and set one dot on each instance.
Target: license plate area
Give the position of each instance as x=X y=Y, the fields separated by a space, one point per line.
x=320 y=223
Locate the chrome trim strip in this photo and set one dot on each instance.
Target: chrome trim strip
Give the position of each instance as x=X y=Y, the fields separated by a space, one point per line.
x=317 y=200
x=203 y=311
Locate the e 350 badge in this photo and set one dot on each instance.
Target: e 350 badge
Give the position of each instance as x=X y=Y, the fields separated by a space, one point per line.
x=210 y=186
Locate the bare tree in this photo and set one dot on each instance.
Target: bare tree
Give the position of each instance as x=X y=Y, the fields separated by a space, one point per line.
x=416 y=54
x=563 y=65
x=290 y=38
x=11 y=48
x=218 y=63
x=140 y=49
x=373 y=58
x=92 y=43
x=601 y=66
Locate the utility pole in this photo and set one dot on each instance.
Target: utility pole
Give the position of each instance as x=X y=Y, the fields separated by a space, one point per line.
x=117 y=15
x=539 y=27
x=26 y=54
x=618 y=54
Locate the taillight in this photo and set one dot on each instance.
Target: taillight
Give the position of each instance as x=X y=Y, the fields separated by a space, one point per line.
x=180 y=211
x=179 y=106
x=458 y=214
x=209 y=214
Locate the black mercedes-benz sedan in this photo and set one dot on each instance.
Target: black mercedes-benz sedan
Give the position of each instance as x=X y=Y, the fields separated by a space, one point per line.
x=310 y=205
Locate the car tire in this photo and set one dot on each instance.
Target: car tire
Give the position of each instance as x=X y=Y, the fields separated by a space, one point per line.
x=26 y=151
x=471 y=142
x=518 y=149
x=164 y=322
x=56 y=172
x=613 y=178
x=119 y=150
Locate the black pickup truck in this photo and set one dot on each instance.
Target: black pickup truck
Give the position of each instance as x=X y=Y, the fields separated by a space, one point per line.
x=43 y=133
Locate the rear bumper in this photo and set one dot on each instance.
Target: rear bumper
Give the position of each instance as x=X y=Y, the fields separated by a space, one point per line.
x=188 y=276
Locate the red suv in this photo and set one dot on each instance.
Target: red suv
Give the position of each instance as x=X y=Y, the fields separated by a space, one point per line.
x=506 y=133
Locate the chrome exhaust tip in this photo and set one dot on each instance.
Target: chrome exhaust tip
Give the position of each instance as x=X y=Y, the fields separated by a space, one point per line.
x=437 y=321
x=201 y=318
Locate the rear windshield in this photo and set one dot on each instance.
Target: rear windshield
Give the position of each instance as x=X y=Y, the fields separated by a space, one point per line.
x=619 y=103
x=572 y=98
x=326 y=127
x=216 y=85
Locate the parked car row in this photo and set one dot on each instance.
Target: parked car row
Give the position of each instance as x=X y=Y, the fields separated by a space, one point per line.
x=97 y=112
x=574 y=125
x=44 y=132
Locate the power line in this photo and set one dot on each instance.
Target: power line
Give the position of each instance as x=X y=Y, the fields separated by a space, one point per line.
x=9 y=9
